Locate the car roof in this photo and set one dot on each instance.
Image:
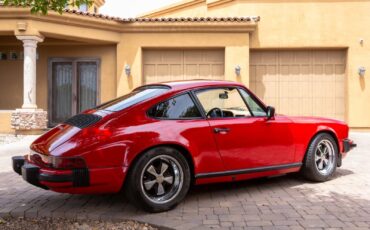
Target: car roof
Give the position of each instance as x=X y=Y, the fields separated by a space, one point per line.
x=190 y=84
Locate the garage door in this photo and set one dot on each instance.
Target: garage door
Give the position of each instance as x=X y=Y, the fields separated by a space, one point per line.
x=174 y=65
x=309 y=83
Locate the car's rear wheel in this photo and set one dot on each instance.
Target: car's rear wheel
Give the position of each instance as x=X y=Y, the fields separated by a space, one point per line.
x=159 y=179
x=321 y=158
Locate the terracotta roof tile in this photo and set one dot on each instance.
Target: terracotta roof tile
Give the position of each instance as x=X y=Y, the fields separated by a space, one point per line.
x=169 y=19
x=182 y=19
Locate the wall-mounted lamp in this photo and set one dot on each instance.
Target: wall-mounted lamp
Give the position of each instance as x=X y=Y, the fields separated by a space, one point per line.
x=361 y=41
x=361 y=71
x=127 y=70
x=238 y=70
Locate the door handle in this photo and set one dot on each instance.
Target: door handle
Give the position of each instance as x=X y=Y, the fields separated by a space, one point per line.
x=221 y=130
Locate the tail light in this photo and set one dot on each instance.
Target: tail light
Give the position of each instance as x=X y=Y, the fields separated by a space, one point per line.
x=57 y=162
x=67 y=162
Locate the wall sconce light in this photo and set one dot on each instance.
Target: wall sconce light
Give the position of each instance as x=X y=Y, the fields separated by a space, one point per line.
x=238 y=70
x=361 y=41
x=127 y=70
x=361 y=71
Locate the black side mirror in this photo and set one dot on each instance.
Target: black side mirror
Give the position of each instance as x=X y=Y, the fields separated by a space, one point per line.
x=270 y=112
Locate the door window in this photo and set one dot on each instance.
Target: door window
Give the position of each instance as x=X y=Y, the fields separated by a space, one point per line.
x=256 y=109
x=180 y=107
x=223 y=102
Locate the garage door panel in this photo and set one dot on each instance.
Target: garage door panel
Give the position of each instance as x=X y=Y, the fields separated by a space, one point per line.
x=260 y=72
x=183 y=65
x=191 y=70
x=163 y=70
x=175 y=70
x=214 y=56
x=307 y=82
x=171 y=57
x=217 y=71
x=301 y=57
x=193 y=57
x=205 y=70
x=329 y=69
x=339 y=69
x=318 y=69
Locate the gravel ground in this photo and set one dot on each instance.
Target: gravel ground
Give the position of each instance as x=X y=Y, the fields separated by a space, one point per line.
x=64 y=224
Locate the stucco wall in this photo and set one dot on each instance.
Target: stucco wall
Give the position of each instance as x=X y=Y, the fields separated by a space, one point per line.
x=11 y=80
x=129 y=51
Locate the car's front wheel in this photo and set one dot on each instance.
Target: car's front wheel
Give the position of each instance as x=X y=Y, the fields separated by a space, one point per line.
x=321 y=158
x=159 y=179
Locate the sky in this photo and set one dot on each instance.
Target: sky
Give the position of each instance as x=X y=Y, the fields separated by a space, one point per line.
x=132 y=8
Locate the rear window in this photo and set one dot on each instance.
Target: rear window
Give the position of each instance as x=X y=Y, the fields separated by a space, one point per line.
x=136 y=96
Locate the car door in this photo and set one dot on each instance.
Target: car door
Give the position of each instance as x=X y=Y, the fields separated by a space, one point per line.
x=244 y=136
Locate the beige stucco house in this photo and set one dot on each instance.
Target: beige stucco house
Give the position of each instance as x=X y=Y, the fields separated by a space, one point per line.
x=305 y=57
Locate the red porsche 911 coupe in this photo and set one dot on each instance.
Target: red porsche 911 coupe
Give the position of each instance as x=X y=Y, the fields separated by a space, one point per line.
x=158 y=140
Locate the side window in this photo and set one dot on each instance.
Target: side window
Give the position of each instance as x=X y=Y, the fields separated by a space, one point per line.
x=255 y=108
x=176 y=108
x=223 y=102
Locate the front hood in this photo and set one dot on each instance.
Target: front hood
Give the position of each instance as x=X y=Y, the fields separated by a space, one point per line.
x=64 y=132
x=315 y=120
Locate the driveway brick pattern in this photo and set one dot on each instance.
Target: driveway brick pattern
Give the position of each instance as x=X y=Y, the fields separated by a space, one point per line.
x=286 y=202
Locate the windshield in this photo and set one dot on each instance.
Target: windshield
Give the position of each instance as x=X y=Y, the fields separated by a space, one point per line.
x=136 y=96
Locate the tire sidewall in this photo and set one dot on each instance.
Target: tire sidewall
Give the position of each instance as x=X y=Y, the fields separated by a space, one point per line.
x=136 y=179
x=310 y=164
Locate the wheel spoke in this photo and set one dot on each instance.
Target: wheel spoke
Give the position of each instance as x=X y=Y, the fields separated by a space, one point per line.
x=326 y=161
x=160 y=190
x=321 y=165
x=164 y=168
x=152 y=171
x=168 y=179
x=326 y=151
x=149 y=184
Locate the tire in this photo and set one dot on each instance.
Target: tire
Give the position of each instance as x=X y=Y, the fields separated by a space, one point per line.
x=321 y=158
x=149 y=184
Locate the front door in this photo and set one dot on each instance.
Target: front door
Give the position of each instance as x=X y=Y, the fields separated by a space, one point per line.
x=245 y=138
x=73 y=87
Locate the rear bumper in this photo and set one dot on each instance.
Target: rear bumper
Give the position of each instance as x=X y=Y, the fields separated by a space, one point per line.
x=39 y=177
x=102 y=180
x=348 y=145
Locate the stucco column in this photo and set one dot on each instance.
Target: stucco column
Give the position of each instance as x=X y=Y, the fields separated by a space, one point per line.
x=29 y=117
x=29 y=70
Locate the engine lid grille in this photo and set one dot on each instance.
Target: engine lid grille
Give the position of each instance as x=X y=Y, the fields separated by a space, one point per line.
x=83 y=120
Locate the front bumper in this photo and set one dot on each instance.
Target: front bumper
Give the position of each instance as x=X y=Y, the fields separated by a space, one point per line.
x=348 y=145
x=39 y=177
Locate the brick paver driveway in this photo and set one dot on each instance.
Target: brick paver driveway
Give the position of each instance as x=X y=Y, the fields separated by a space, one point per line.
x=286 y=202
